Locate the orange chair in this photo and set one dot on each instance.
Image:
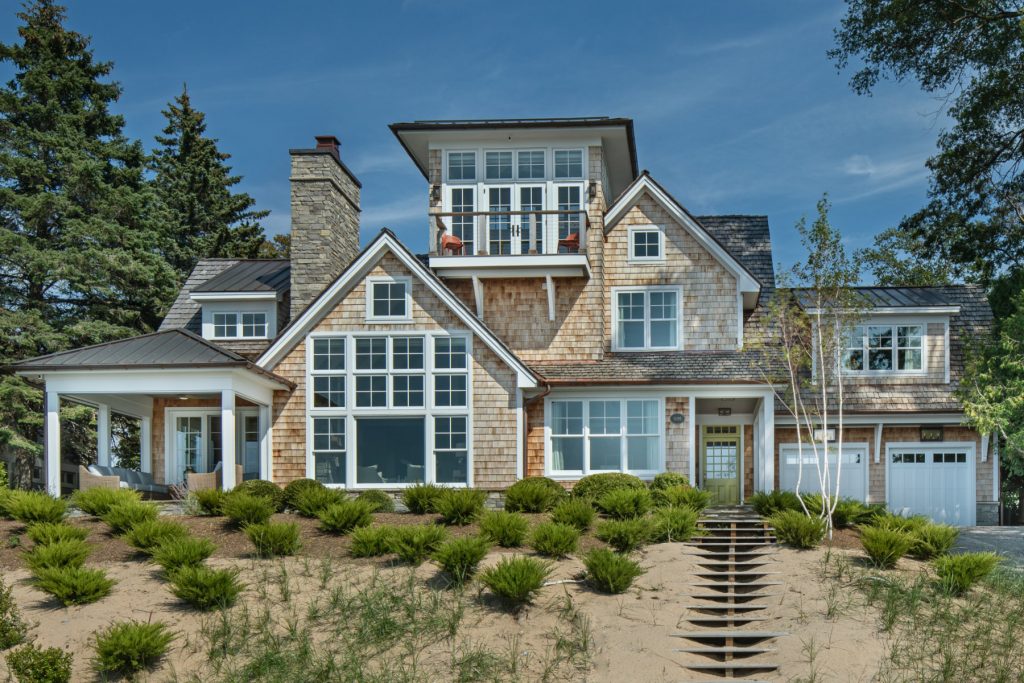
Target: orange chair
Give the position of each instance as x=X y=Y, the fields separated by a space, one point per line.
x=571 y=242
x=452 y=244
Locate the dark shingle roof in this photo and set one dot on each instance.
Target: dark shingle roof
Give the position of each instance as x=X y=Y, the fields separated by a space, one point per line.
x=184 y=312
x=717 y=367
x=748 y=239
x=270 y=275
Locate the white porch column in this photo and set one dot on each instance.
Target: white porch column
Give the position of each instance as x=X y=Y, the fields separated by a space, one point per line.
x=768 y=443
x=266 y=445
x=691 y=405
x=103 y=434
x=146 y=444
x=51 y=444
x=227 y=448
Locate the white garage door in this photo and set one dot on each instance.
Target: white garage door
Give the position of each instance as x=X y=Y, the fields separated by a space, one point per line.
x=936 y=481
x=852 y=476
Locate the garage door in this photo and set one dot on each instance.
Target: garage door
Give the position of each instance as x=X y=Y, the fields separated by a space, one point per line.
x=852 y=476
x=936 y=481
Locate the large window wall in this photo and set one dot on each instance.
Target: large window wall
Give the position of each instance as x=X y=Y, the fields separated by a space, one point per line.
x=589 y=435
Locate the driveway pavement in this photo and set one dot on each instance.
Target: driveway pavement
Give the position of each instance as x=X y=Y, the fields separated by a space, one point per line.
x=1005 y=540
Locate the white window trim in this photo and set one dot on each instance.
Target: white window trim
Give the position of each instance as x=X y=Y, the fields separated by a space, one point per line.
x=429 y=411
x=499 y=181
x=172 y=462
x=633 y=229
x=476 y=167
x=371 y=282
x=583 y=163
x=894 y=371
x=238 y=309
x=647 y=320
x=572 y=475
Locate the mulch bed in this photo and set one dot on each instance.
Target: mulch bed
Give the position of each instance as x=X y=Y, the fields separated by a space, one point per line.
x=845 y=539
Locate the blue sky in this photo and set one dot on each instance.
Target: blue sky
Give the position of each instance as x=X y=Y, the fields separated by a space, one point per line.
x=737 y=109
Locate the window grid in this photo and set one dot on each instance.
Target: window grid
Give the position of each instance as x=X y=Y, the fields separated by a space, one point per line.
x=645 y=245
x=329 y=449
x=254 y=324
x=585 y=434
x=388 y=300
x=530 y=165
x=498 y=165
x=451 y=449
x=463 y=226
x=461 y=166
x=568 y=164
x=647 y=320
x=884 y=348
x=225 y=325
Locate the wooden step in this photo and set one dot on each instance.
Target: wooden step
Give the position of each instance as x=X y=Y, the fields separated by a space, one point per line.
x=746 y=597
x=733 y=634
x=726 y=650
x=735 y=667
x=725 y=622
x=725 y=585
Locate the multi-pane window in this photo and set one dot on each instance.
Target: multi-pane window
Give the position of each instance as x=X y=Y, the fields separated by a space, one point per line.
x=235 y=325
x=645 y=245
x=329 y=372
x=451 y=450
x=225 y=325
x=569 y=202
x=462 y=226
x=884 y=348
x=329 y=449
x=449 y=353
x=461 y=166
x=531 y=202
x=389 y=299
x=450 y=391
x=254 y=324
x=531 y=165
x=498 y=165
x=568 y=164
x=499 y=222
x=647 y=319
x=601 y=435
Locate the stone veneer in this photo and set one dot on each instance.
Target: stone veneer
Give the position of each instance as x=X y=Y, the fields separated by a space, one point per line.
x=493 y=421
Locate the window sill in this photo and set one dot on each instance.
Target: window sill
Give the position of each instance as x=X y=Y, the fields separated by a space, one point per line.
x=397 y=321
x=645 y=349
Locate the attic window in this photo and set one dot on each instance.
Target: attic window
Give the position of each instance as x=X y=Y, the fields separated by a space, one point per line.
x=645 y=244
x=388 y=299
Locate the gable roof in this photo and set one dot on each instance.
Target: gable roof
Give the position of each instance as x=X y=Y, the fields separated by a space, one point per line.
x=175 y=348
x=749 y=239
x=251 y=275
x=384 y=242
x=746 y=280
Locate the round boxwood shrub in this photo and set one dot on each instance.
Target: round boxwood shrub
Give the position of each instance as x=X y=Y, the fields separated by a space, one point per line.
x=378 y=500
x=533 y=494
x=667 y=480
x=596 y=485
x=263 y=489
x=294 y=488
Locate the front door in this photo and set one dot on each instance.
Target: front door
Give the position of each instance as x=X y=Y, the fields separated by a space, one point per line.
x=720 y=464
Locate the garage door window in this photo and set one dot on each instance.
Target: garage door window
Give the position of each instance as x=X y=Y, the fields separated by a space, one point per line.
x=935 y=481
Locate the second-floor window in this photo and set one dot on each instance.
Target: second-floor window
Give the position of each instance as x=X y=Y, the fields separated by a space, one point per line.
x=461 y=166
x=645 y=244
x=568 y=164
x=239 y=325
x=884 y=348
x=646 y=319
x=387 y=300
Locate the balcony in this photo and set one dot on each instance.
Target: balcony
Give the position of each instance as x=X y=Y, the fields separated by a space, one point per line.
x=502 y=244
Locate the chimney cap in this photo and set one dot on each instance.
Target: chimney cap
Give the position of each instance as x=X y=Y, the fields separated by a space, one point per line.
x=328 y=142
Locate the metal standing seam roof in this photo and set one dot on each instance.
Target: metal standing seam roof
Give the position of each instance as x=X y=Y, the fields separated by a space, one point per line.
x=175 y=348
x=269 y=275
x=899 y=297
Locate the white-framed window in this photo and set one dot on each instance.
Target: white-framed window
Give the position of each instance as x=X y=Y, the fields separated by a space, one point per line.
x=498 y=165
x=234 y=325
x=570 y=201
x=646 y=243
x=461 y=166
x=646 y=318
x=388 y=299
x=463 y=227
x=568 y=164
x=888 y=348
x=530 y=164
x=388 y=410
x=604 y=435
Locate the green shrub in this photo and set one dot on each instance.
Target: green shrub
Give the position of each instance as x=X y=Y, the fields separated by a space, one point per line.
x=45 y=533
x=205 y=588
x=576 y=512
x=173 y=553
x=768 y=504
x=378 y=500
x=625 y=503
x=261 y=488
x=210 y=501
x=814 y=502
x=74 y=585
x=274 y=539
x=126 y=647
x=673 y=524
x=13 y=628
x=507 y=529
x=5 y=499
x=121 y=518
x=311 y=501
x=147 y=535
x=594 y=486
x=4 y=483
x=682 y=496
x=797 y=529
x=896 y=523
x=554 y=539
x=461 y=556
x=847 y=513
x=244 y=509
x=667 y=480
x=98 y=501
x=460 y=506
x=31 y=664
x=296 y=487
x=345 y=515
x=55 y=555
x=933 y=540
x=870 y=514
x=420 y=498
x=533 y=494
x=415 y=542
x=625 y=535
x=885 y=546
x=517 y=579
x=31 y=507
x=610 y=572
x=958 y=573
x=371 y=541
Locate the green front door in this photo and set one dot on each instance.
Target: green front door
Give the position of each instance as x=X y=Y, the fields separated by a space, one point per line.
x=720 y=463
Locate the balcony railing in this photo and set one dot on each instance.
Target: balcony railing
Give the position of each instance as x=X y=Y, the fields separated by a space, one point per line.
x=509 y=233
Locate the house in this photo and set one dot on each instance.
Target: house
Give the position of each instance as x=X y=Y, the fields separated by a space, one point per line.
x=570 y=317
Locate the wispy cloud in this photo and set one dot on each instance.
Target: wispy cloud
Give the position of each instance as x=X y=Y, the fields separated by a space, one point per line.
x=387 y=214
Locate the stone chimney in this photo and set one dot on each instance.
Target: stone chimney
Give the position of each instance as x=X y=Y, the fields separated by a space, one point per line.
x=325 y=219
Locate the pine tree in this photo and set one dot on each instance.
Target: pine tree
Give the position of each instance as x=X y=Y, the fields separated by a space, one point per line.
x=81 y=236
x=194 y=182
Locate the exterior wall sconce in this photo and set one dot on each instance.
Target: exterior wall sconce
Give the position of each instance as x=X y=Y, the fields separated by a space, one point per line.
x=592 y=190
x=435 y=193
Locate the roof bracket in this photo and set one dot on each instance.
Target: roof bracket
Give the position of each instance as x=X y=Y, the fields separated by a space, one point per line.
x=478 y=296
x=550 y=284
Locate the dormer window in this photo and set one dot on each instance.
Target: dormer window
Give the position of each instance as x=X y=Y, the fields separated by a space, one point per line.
x=234 y=325
x=388 y=299
x=885 y=348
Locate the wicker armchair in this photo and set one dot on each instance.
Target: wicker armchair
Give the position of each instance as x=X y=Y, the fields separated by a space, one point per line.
x=210 y=480
x=87 y=480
